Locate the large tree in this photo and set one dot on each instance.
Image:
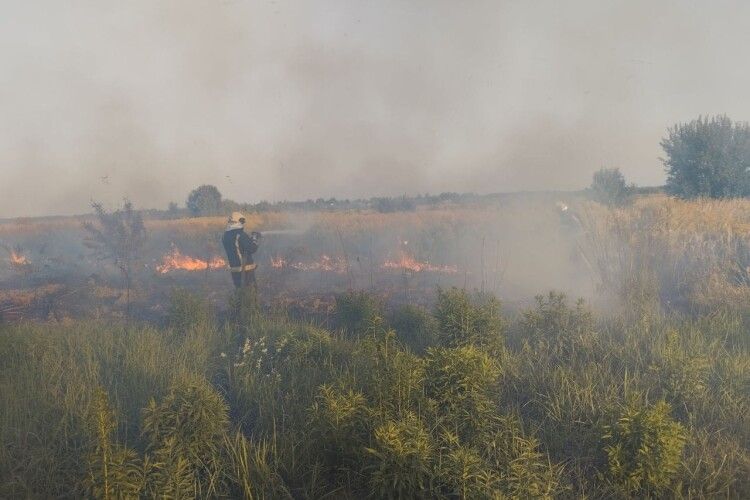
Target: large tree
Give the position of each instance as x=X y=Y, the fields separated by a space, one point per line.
x=708 y=157
x=204 y=200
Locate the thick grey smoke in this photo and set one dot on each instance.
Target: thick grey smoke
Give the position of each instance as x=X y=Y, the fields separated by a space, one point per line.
x=275 y=99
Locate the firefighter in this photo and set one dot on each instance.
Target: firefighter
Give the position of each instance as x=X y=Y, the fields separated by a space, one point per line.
x=240 y=249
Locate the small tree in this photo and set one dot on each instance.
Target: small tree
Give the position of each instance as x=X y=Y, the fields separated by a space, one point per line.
x=119 y=237
x=204 y=200
x=173 y=211
x=609 y=188
x=708 y=157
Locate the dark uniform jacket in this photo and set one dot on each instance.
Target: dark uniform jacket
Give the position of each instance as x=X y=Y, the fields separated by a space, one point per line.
x=240 y=249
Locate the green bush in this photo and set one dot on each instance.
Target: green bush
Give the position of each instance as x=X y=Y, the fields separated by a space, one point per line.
x=609 y=188
x=466 y=320
x=393 y=377
x=567 y=330
x=403 y=455
x=357 y=312
x=187 y=310
x=682 y=374
x=415 y=327
x=644 y=448
x=523 y=470
x=341 y=425
x=463 y=474
x=460 y=382
x=185 y=433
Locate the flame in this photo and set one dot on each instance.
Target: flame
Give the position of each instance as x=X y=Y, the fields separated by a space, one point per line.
x=18 y=259
x=176 y=261
x=409 y=263
x=278 y=262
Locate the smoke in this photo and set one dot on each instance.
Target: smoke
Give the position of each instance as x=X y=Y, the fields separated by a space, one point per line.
x=274 y=100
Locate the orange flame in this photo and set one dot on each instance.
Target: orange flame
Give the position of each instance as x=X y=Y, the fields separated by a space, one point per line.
x=18 y=259
x=175 y=261
x=278 y=262
x=409 y=263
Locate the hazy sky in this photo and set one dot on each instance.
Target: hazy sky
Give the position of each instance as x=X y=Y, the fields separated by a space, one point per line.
x=273 y=100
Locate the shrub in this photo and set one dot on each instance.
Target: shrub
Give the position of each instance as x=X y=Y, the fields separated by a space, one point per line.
x=460 y=382
x=340 y=423
x=608 y=187
x=393 y=377
x=403 y=459
x=463 y=474
x=523 y=470
x=415 y=327
x=644 y=448
x=465 y=320
x=185 y=433
x=567 y=329
x=357 y=312
x=187 y=310
x=683 y=375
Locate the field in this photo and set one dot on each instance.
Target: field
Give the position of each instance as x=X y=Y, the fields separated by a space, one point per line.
x=428 y=354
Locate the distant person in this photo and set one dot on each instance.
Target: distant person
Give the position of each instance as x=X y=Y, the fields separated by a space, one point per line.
x=240 y=249
x=568 y=217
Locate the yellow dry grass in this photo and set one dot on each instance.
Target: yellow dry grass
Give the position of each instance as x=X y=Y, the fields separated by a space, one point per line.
x=698 y=249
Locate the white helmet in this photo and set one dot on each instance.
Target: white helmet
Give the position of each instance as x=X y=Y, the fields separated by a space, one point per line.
x=237 y=217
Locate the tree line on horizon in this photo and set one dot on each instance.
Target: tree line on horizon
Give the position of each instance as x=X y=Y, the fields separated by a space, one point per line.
x=708 y=157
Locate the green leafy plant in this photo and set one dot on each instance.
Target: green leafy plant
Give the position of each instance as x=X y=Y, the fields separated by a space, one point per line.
x=554 y=323
x=114 y=471
x=340 y=420
x=414 y=326
x=358 y=312
x=682 y=374
x=460 y=381
x=466 y=320
x=185 y=433
x=187 y=310
x=403 y=456
x=644 y=448
x=463 y=474
x=609 y=188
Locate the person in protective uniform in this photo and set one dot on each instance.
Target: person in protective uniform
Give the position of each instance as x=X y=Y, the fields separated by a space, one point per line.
x=240 y=249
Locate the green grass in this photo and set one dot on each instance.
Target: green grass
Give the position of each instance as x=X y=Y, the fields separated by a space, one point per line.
x=456 y=403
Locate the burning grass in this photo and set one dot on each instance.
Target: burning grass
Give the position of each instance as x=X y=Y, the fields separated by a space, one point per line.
x=409 y=263
x=176 y=261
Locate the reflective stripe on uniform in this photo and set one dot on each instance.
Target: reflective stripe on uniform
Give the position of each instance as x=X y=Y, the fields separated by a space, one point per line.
x=237 y=247
x=239 y=269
